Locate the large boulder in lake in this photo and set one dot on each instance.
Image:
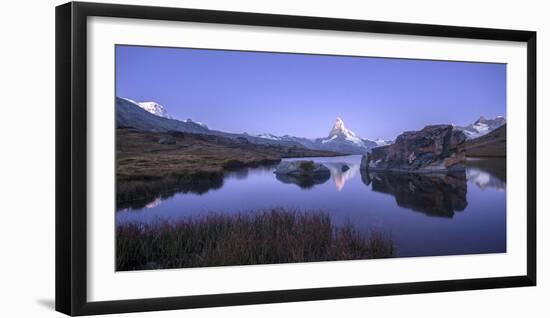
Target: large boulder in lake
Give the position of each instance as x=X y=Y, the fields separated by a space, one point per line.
x=302 y=168
x=435 y=148
x=304 y=173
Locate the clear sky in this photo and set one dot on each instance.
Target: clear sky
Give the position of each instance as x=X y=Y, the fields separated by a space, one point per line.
x=302 y=95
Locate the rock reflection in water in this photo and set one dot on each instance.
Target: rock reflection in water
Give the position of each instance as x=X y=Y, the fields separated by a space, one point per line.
x=304 y=182
x=432 y=194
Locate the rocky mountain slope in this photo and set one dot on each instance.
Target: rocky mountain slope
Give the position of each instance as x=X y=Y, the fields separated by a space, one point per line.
x=130 y=114
x=482 y=126
x=492 y=144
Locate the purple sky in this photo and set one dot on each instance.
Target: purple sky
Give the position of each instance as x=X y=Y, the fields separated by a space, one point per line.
x=302 y=95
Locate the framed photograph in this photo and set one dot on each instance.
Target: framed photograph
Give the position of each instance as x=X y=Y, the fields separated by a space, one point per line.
x=210 y=158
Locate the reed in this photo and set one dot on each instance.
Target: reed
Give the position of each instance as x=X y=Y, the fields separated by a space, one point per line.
x=264 y=237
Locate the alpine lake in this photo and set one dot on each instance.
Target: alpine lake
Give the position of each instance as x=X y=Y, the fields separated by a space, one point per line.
x=425 y=214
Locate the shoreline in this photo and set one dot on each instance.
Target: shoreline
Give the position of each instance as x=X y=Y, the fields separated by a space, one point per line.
x=146 y=168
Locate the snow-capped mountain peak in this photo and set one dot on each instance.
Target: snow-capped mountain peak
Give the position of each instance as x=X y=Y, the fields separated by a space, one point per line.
x=152 y=107
x=342 y=139
x=159 y=110
x=339 y=129
x=155 y=109
x=482 y=126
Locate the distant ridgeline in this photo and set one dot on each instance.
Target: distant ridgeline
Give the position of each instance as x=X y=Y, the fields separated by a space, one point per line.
x=151 y=116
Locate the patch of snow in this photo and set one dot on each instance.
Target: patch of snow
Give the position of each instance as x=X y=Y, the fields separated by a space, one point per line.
x=329 y=139
x=381 y=142
x=269 y=136
x=189 y=120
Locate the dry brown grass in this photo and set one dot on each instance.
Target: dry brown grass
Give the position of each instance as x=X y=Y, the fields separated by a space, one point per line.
x=491 y=145
x=141 y=157
x=269 y=237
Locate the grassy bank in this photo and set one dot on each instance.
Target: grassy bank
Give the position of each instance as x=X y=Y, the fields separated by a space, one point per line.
x=146 y=166
x=269 y=237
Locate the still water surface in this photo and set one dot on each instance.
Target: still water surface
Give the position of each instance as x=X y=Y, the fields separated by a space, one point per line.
x=425 y=215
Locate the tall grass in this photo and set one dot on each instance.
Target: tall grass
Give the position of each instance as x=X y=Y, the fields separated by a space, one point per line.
x=269 y=237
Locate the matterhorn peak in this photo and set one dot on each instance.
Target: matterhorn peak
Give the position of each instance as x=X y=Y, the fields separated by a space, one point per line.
x=339 y=134
x=339 y=128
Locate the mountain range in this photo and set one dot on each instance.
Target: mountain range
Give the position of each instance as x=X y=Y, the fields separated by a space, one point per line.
x=151 y=116
x=130 y=114
x=339 y=139
x=481 y=127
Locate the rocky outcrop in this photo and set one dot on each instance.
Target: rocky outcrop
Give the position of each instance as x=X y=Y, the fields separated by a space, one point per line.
x=304 y=173
x=302 y=168
x=435 y=148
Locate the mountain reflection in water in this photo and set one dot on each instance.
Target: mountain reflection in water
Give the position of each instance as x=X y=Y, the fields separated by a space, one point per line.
x=487 y=173
x=342 y=172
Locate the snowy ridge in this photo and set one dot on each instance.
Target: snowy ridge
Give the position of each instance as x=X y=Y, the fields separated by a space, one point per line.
x=189 y=120
x=382 y=142
x=155 y=109
x=152 y=107
x=269 y=136
x=159 y=110
x=482 y=126
x=340 y=139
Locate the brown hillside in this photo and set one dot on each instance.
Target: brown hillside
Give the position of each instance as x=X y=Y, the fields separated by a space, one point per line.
x=491 y=145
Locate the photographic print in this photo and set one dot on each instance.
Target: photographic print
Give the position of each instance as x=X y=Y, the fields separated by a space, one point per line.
x=244 y=158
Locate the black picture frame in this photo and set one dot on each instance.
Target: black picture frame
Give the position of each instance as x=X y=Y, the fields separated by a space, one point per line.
x=71 y=157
